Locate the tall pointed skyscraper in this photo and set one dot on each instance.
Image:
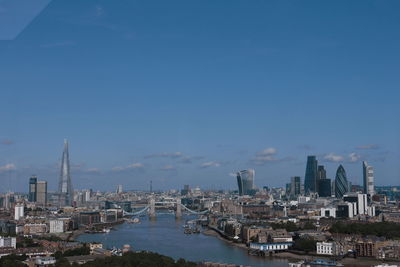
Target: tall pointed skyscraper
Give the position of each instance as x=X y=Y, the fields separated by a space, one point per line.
x=65 y=186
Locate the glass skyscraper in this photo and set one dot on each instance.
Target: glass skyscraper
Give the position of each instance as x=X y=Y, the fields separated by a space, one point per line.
x=310 y=178
x=368 y=178
x=245 y=180
x=295 y=186
x=341 y=183
x=321 y=173
x=32 y=189
x=324 y=188
x=65 y=186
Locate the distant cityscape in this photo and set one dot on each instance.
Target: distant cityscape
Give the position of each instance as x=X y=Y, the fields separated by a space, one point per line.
x=299 y=218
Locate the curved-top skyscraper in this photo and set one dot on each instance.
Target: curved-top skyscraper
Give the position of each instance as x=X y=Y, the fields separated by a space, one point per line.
x=65 y=185
x=341 y=183
x=245 y=181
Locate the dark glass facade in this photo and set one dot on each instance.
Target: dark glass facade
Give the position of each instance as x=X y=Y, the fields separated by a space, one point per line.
x=310 y=178
x=32 y=189
x=341 y=183
x=321 y=174
x=324 y=189
x=295 y=186
x=245 y=180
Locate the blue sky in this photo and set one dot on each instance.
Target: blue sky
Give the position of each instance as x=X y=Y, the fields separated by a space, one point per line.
x=188 y=92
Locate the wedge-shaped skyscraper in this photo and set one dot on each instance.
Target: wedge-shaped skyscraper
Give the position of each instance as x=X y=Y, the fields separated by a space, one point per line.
x=245 y=181
x=65 y=186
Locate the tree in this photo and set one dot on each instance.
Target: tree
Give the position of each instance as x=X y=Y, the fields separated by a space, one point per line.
x=305 y=244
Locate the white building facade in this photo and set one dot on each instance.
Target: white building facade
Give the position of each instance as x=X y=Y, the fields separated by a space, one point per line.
x=326 y=248
x=19 y=212
x=368 y=177
x=56 y=226
x=8 y=242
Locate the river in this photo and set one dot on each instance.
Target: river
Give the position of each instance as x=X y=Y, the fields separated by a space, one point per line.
x=165 y=236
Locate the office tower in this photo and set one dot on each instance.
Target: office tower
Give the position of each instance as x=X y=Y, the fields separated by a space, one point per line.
x=32 y=188
x=87 y=195
x=360 y=199
x=321 y=173
x=368 y=175
x=18 y=211
x=324 y=188
x=65 y=186
x=341 y=184
x=41 y=193
x=119 y=189
x=245 y=181
x=310 y=179
x=295 y=186
x=288 y=189
x=185 y=190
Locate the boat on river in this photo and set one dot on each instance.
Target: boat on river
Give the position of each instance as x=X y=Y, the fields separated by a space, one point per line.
x=316 y=262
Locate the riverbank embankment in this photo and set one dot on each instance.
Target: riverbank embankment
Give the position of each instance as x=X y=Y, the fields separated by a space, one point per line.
x=299 y=256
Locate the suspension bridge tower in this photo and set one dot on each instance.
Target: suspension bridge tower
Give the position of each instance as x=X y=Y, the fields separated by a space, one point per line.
x=178 y=213
x=152 y=210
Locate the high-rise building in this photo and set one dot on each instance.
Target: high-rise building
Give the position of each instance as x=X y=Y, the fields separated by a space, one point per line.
x=245 y=181
x=324 y=188
x=295 y=186
x=360 y=199
x=41 y=193
x=321 y=173
x=32 y=188
x=310 y=178
x=119 y=189
x=186 y=190
x=65 y=185
x=341 y=183
x=19 y=211
x=368 y=175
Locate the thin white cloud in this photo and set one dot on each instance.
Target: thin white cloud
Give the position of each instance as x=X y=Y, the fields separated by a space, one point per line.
x=190 y=159
x=263 y=159
x=333 y=157
x=165 y=155
x=130 y=166
x=268 y=155
x=168 y=168
x=7 y=167
x=369 y=146
x=210 y=164
x=354 y=157
x=267 y=152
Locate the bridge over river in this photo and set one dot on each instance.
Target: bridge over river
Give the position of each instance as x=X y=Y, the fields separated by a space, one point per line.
x=153 y=205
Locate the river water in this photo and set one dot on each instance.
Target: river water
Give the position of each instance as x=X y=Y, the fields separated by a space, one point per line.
x=165 y=236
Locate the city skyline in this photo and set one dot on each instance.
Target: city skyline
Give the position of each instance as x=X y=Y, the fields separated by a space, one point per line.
x=199 y=133
x=165 y=95
x=320 y=170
